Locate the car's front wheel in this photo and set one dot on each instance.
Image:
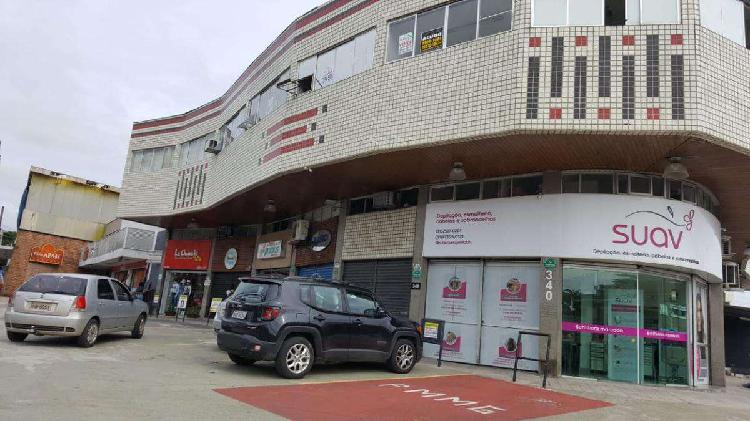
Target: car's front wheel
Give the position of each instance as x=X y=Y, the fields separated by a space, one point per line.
x=17 y=336
x=240 y=360
x=89 y=335
x=139 y=328
x=295 y=358
x=403 y=358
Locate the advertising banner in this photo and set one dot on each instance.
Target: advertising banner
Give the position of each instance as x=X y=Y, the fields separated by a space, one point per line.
x=431 y=40
x=270 y=250
x=499 y=348
x=47 y=254
x=461 y=344
x=700 y=353
x=622 y=311
x=453 y=292
x=187 y=254
x=511 y=296
x=578 y=226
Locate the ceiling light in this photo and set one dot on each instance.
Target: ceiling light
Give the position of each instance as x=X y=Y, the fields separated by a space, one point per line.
x=676 y=170
x=457 y=172
x=270 y=207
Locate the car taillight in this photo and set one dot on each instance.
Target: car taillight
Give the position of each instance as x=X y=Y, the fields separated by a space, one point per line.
x=419 y=329
x=270 y=313
x=79 y=304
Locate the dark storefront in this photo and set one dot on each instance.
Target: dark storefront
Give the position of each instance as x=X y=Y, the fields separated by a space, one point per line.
x=390 y=280
x=737 y=339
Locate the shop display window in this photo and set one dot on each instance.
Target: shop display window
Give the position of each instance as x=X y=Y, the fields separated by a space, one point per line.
x=630 y=326
x=190 y=284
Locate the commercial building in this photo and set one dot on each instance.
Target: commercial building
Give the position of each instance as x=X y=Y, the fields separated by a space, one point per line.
x=58 y=216
x=572 y=167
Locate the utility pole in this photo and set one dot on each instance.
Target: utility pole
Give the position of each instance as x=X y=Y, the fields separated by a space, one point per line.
x=2 y=211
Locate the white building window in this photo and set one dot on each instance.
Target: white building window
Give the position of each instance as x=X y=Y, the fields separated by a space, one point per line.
x=604 y=12
x=725 y=17
x=150 y=160
x=346 y=60
x=443 y=27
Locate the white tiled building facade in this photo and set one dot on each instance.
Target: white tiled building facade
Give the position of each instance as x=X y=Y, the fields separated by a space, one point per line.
x=471 y=90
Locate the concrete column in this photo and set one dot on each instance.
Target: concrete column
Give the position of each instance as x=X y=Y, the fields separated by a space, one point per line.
x=207 y=282
x=716 y=332
x=338 y=257
x=550 y=312
x=419 y=296
x=258 y=233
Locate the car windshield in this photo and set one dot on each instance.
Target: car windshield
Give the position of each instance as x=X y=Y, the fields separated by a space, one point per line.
x=256 y=292
x=55 y=284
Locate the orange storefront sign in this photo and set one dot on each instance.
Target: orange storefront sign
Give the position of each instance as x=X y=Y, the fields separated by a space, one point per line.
x=47 y=254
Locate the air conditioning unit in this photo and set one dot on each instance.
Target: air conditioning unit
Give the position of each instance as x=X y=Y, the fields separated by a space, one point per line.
x=731 y=272
x=726 y=247
x=301 y=229
x=383 y=200
x=214 y=145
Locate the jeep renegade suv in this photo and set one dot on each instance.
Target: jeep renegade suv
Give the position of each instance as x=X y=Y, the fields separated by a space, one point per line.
x=298 y=322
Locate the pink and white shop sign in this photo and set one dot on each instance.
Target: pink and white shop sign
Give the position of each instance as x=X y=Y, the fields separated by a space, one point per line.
x=578 y=226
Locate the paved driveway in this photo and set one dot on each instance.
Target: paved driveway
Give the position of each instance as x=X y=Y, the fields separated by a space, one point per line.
x=173 y=372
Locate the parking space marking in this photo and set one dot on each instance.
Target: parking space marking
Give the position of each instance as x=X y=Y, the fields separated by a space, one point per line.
x=465 y=397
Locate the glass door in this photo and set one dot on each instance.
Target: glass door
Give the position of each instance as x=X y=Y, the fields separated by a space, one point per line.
x=601 y=319
x=664 y=336
x=629 y=326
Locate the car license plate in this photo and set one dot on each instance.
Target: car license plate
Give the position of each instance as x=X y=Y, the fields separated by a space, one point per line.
x=42 y=306
x=239 y=314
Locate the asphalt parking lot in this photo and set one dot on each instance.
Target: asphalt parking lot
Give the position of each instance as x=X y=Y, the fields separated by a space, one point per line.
x=177 y=373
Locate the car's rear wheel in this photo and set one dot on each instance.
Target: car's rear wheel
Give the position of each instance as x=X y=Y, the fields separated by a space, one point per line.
x=240 y=360
x=89 y=335
x=17 y=336
x=404 y=357
x=139 y=328
x=295 y=358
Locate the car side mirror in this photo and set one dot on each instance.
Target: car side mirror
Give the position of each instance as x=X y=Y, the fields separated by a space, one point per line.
x=380 y=313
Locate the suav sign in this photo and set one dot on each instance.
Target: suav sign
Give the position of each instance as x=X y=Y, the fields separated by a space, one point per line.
x=580 y=226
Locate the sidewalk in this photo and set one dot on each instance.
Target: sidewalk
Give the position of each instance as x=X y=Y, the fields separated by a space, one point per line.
x=188 y=322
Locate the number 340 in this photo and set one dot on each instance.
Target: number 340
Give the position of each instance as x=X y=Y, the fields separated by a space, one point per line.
x=548 y=286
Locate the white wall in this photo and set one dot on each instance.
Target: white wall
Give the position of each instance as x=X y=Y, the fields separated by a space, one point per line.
x=726 y=17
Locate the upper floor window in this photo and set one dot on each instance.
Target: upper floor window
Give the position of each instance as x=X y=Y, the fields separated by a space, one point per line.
x=445 y=26
x=384 y=201
x=728 y=18
x=232 y=129
x=194 y=150
x=638 y=184
x=604 y=12
x=524 y=185
x=150 y=160
x=266 y=101
x=348 y=59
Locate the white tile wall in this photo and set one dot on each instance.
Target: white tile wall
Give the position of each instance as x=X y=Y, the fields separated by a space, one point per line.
x=476 y=89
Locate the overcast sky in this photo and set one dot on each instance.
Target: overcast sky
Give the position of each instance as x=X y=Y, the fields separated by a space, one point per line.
x=75 y=75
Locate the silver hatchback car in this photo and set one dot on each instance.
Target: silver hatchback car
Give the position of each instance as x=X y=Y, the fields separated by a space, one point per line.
x=71 y=304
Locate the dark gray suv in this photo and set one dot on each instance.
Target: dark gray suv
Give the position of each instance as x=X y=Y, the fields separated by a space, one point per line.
x=298 y=322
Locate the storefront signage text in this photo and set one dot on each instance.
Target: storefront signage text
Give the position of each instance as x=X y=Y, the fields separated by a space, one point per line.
x=187 y=254
x=271 y=250
x=320 y=240
x=644 y=230
x=624 y=331
x=230 y=259
x=47 y=254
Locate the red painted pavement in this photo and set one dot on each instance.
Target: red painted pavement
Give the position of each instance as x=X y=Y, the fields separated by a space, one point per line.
x=463 y=397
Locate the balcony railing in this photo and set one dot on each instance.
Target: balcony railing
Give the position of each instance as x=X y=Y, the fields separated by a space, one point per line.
x=128 y=238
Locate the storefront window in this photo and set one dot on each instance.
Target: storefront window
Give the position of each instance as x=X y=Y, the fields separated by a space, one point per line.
x=625 y=326
x=190 y=284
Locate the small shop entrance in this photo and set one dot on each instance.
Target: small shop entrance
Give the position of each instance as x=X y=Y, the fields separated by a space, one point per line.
x=185 y=283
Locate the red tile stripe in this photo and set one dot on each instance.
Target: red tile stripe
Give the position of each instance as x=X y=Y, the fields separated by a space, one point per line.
x=288 y=134
x=289 y=148
x=291 y=120
x=256 y=68
x=176 y=129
